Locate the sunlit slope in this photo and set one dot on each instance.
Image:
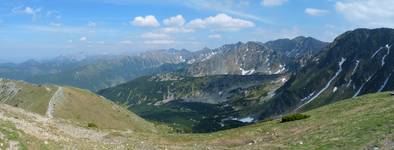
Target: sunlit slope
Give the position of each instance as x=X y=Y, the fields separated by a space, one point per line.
x=78 y=106
x=357 y=123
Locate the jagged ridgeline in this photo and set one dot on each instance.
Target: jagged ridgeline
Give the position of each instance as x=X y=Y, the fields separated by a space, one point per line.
x=356 y=63
x=100 y=72
x=273 y=57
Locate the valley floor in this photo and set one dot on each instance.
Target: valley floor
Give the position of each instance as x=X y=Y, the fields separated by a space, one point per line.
x=365 y=122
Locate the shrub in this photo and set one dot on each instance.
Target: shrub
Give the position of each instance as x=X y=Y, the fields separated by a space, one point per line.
x=294 y=117
x=92 y=125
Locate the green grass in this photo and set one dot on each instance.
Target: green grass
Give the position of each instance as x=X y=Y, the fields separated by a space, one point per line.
x=84 y=107
x=350 y=124
x=34 y=98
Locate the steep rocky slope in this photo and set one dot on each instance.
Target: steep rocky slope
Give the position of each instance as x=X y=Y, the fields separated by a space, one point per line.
x=356 y=63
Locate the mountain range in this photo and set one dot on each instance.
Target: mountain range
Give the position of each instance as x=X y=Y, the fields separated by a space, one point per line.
x=103 y=71
x=230 y=86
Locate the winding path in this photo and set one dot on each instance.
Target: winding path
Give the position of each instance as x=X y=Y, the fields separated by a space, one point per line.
x=58 y=96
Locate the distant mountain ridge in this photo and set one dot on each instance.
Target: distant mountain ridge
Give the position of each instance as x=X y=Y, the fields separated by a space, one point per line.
x=102 y=71
x=273 y=57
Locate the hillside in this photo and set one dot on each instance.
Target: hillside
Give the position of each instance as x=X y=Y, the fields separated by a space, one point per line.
x=198 y=104
x=361 y=123
x=358 y=62
x=78 y=106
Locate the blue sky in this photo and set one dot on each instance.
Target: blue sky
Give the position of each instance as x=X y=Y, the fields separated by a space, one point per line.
x=47 y=28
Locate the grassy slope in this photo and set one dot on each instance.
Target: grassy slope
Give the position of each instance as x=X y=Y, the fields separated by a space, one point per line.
x=34 y=98
x=86 y=107
x=79 y=106
x=350 y=124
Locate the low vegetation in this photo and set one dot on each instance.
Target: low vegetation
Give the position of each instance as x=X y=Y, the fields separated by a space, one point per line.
x=92 y=125
x=293 y=117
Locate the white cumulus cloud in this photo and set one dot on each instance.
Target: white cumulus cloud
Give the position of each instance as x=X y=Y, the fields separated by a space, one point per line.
x=315 y=11
x=220 y=22
x=175 y=24
x=147 y=21
x=34 y=12
x=272 y=2
x=370 y=13
x=177 y=20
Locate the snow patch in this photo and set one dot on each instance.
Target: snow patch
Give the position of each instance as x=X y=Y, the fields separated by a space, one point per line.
x=374 y=54
x=384 y=57
x=282 y=69
x=247 y=72
x=340 y=63
x=355 y=68
x=181 y=58
x=335 y=89
x=385 y=82
x=208 y=56
x=350 y=82
x=362 y=86
x=308 y=97
x=246 y=120
x=191 y=61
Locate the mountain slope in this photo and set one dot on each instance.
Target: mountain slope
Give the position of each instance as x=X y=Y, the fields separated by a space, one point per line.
x=361 y=123
x=75 y=105
x=356 y=63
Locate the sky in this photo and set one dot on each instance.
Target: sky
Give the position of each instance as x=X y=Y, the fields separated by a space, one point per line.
x=40 y=29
